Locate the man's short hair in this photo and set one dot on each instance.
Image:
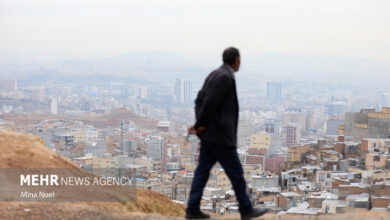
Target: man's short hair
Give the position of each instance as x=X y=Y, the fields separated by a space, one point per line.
x=230 y=54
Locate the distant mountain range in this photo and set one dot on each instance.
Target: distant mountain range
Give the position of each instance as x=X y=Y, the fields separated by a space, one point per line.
x=165 y=66
x=317 y=68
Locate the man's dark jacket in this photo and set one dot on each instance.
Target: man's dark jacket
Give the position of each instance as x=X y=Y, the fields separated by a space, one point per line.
x=216 y=108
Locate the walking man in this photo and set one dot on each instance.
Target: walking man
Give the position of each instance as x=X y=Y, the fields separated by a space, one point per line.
x=216 y=110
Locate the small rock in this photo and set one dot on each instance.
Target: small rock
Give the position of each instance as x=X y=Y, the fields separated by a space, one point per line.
x=27 y=210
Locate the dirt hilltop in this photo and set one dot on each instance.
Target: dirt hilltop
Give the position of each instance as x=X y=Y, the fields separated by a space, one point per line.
x=19 y=150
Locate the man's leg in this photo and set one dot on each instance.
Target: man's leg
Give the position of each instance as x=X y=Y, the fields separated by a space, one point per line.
x=201 y=175
x=230 y=162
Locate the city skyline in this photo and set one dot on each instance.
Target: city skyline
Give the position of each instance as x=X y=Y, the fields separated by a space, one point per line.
x=109 y=88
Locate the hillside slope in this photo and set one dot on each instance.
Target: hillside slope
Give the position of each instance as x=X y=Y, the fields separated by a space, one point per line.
x=28 y=151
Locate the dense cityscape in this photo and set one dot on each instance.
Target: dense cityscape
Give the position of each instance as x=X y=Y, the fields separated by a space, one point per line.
x=174 y=109
x=306 y=148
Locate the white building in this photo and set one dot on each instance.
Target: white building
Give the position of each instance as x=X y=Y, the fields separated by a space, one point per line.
x=53 y=106
x=188 y=93
x=183 y=91
x=155 y=148
x=142 y=92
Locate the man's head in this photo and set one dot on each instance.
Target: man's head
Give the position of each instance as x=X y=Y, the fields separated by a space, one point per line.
x=231 y=56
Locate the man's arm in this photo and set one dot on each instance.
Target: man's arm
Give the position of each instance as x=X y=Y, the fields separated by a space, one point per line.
x=212 y=100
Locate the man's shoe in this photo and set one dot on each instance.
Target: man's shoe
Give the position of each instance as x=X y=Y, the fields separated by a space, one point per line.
x=197 y=215
x=254 y=213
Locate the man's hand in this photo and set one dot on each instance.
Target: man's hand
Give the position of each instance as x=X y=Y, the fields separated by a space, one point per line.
x=200 y=130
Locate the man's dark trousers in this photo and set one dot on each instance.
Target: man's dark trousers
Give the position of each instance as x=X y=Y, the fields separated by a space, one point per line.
x=228 y=158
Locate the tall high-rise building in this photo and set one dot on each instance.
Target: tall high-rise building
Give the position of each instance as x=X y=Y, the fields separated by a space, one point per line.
x=8 y=85
x=155 y=148
x=291 y=135
x=274 y=92
x=183 y=91
x=38 y=94
x=143 y=109
x=188 y=93
x=336 y=108
x=158 y=150
x=178 y=91
x=53 y=106
x=142 y=92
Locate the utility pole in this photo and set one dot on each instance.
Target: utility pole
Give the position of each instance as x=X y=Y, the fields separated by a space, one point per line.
x=122 y=137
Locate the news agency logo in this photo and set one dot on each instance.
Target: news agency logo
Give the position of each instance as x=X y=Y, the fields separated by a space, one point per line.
x=68 y=185
x=54 y=180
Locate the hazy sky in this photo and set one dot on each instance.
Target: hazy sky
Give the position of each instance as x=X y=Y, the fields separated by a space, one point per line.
x=96 y=28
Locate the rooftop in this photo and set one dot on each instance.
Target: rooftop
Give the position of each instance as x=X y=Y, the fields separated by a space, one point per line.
x=268 y=189
x=323 y=195
x=289 y=194
x=337 y=203
x=303 y=208
x=358 y=198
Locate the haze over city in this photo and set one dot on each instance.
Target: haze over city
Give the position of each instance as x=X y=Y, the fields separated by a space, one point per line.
x=279 y=40
x=92 y=85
